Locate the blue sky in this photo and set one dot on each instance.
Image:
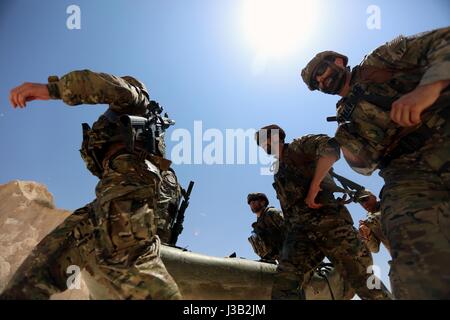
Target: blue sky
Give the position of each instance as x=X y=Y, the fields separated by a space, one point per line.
x=197 y=60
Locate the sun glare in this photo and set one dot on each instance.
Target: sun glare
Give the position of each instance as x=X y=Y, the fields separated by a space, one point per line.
x=276 y=28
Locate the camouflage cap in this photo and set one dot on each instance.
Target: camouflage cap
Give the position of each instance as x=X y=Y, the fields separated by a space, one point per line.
x=257 y=196
x=307 y=72
x=136 y=83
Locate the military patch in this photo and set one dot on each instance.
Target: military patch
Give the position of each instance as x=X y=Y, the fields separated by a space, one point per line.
x=170 y=178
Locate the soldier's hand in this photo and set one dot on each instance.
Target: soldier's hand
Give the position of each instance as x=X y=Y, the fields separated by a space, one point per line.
x=406 y=111
x=364 y=230
x=311 y=197
x=20 y=95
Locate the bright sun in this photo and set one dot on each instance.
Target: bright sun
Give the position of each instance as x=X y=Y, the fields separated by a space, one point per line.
x=276 y=28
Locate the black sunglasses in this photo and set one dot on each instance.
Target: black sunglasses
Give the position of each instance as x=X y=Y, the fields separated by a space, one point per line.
x=319 y=71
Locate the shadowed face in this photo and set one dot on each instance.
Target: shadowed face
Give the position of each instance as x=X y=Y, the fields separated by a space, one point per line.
x=330 y=77
x=257 y=205
x=271 y=144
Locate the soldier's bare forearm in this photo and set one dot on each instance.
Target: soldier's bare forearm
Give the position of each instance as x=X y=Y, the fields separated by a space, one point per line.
x=324 y=165
x=441 y=85
x=28 y=91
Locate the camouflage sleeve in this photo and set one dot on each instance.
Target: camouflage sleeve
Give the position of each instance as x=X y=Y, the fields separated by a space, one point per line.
x=276 y=217
x=87 y=87
x=430 y=49
x=438 y=57
x=317 y=146
x=374 y=224
x=373 y=244
x=360 y=155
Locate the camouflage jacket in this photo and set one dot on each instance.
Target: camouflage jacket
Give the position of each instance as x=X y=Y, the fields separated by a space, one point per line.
x=268 y=234
x=295 y=170
x=384 y=75
x=376 y=234
x=87 y=87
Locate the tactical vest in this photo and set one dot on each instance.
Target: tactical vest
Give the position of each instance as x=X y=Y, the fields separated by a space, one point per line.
x=364 y=118
x=268 y=234
x=292 y=182
x=96 y=141
x=108 y=134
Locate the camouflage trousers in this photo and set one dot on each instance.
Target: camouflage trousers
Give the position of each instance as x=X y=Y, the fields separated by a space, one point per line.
x=416 y=220
x=313 y=235
x=113 y=239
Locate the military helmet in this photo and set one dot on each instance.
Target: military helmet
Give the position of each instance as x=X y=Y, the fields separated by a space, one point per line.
x=257 y=196
x=136 y=83
x=308 y=71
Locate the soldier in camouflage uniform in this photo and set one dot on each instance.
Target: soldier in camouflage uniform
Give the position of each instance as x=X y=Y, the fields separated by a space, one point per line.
x=370 y=229
x=114 y=237
x=268 y=231
x=327 y=230
x=394 y=116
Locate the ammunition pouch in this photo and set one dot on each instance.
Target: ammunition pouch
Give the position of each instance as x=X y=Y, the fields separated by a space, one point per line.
x=259 y=247
x=88 y=153
x=120 y=148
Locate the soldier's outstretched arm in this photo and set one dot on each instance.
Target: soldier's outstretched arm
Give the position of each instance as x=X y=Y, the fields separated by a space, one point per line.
x=324 y=164
x=81 y=87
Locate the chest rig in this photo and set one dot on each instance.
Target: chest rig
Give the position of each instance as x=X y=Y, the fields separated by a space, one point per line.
x=406 y=140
